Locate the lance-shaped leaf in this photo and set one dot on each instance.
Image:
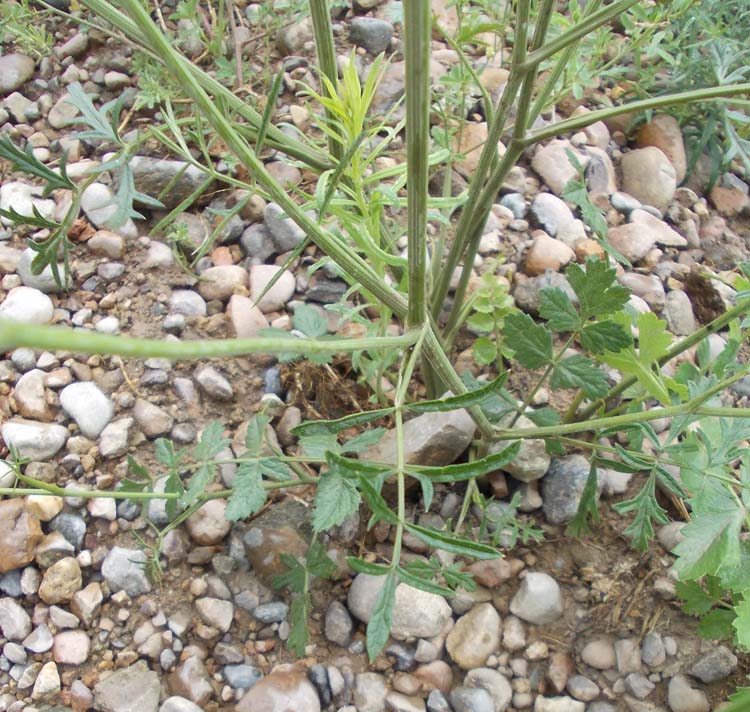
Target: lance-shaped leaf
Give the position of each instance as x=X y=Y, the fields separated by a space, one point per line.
x=423 y=584
x=587 y=507
x=318 y=427
x=468 y=470
x=447 y=541
x=367 y=567
x=466 y=400
x=379 y=625
x=26 y=162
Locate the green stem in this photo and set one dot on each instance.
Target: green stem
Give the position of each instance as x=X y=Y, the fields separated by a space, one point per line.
x=417 y=20
x=56 y=338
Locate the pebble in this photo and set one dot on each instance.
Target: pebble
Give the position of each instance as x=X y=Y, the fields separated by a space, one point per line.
x=558 y=704
x=538 y=599
x=71 y=647
x=40 y=640
x=179 y=704
x=47 y=683
x=633 y=240
x=124 y=570
x=371 y=33
x=436 y=702
x=714 y=665
x=191 y=680
x=37 y=441
x=71 y=526
x=369 y=692
x=29 y=394
x=653 y=653
x=113 y=441
x=471 y=699
x=679 y=313
x=474 y=637
x=648 y=176
x=62 y=112
x=546 y=253
x=549 y=212
x=27 y=305
x=96 y=203
x=208 y=526
x=213 y=384
x=599 y=654
x=663 y=131
x=20 y=533
x=683 y=698
x=215 y=612
x=273 y=612
x=88 y=406
x=551 y=162
x=278 y=295
x=61 y=581
x=639 y=685
x=339 y=624
x=562 y=487
x=494 y=683
x=416 y=613
x=44 y=281
x=153 y=420
x=15 y=70
x=153 y=175
x=646 y=286
x=222 y=281
x=581 y=688
x=628 y=654
x=247 y=320
x=15 y=623
x=87 y=602
x=285 y=690
x=132 y=689
x=24 y=199
x=242 y=677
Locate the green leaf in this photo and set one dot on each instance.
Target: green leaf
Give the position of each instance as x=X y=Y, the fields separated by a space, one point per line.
x=555 y=306
x=717 y=624
x=249 y=495
x=578 y=371
x=465 y=400
x=379 y=626
x=294 y=578
x=367 y=567
x=646 y=508
x=25 y=162
x=361 y=442
x=531 y=342
x=103 y=127
x=604 y=336
x=481 y=322
x=318 y=562
x=202 y=477
x=447 y=541
x=138 y=470
x=423 y=584
x=335 y=499
x=316 y=446
x=299 y=635
x=173 y=485
x=696 y=601
x=256 y=431
x=712 y=542
x=741 y=623
x=317 y=427
x=428 y=489
x=484 y=351
x=653 y=338
x=36 y=219
x=543 y=416
x=375 y=501
x=274 y=469
x=309 y=321
x=739 y=701
x=597 y=289
x=587 y=507
x=468 y=470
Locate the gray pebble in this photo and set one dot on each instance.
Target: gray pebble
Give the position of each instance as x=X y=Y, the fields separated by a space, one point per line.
x=242 y=677
x=273 y=612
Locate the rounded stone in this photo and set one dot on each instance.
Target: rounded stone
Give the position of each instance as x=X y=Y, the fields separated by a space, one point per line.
x=599 y=654
x=221 y=282
x=15 y=623
x=648 y=176
x=88 y=406
x=124 y=570
x=15 y=70
x=61 y=581
x=208 y=525
x=683 y=698
x=562 y=487
x=71 y=647
x=494 y=683
x=284 y=690
x=276 y=296
x=27 y=305
x=20 y=533
x=475 y=636
x=538 y=600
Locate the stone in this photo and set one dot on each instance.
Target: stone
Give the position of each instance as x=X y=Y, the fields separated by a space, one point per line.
x=27 y=305
x=15 y=70
x=679 y=313
x=37 y=441
x=581 y=688
x=369 y=692
x=546 y=253
x=47 y=683
x=39 y=640
x=285 y=234
x=663 y=131
x=284 y=690
x=475 y=637
x=338 y=624
x=276 y=296
x=221 y=282
x=87 y=602
x=187 y=302
x=61 y=581
x=20 y=533
x=527 y=291
x=153 y=175
x=132 y=689
x=628 y=654
x=191 y=680
x=681 y=697
x=44 y=281
x=639 y=685
x=15 y=623
x=29 y=394
x=633 y=240
x=371 y=33
x=646 y=286
x=398 y=702
x=562 y=487
x=153 y=420
x=242 y=677
x=208 y=525
x=430 y=439
x=71 y=526
x=471 y=699
x=416 y=613
x=552 y=164
x=468 y=143
x=215 y=612
x=106 y=244
x=178 y=704
x=514 y=634
x=600 y=173
x=97 y=203
x=550 y=213
x=124 y=570
x=653 y=653
x=532 y=461
x=715 y=665
x=494 y=683
x=88 y=406
x=213 y=383
x=648 y=176
x=71 y=647
x=558 y=704
x=113 y=441
x=538 y=599
x=658 y=229
x=247 y=320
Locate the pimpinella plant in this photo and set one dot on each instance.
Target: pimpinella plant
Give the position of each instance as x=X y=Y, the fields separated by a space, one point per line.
x=583 y=342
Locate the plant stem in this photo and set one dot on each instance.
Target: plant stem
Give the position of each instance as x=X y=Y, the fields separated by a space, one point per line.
x=417 y=20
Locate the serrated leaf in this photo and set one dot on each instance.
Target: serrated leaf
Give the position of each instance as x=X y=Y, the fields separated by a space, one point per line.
x=465 y=400
x=484 y=351
x=274 y=469
x=102 y=126
x=481 y=322
x=299 y=635
x=316 y=446
x=646 y=508
x=587 y=507
x=294 y=578
x=256 y=431
x=604 y=336
x=137 y=469
x=543 y=416
x=211 y=442
x=202 y=477
x=555 y=306
x=317 y=427
x=375 y=501
x=597 y=289
x=361 y=442
x=318 y=562
x=447 y=541
x=531 y=342
x=716 y=624
x=696 y=601
x=653 y=338
x=578 y=371
x=336 y=498
x=248 y=494
x=379 y=626
x=309 y=321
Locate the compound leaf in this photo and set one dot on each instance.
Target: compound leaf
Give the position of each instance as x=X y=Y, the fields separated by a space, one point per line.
x=335 y=499
x=555 y=306
x=597 y=289
x=531 y=342
x=249 y=495
x=578 y=371
x=606 y=335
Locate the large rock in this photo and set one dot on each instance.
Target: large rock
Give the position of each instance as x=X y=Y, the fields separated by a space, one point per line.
x=648 y=176
x=284 y=690
x=475 y=637
x=19 y=535
x=134 y=689
x=416 y=614
x=429 y=439
x=37 y=441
